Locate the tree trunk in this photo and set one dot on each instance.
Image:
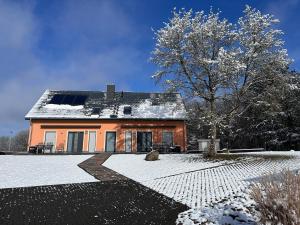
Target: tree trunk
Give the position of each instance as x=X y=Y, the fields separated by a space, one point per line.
x=212 y=129
x=212 y=137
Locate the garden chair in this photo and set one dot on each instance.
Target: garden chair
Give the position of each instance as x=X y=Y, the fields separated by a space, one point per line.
x=60 y=148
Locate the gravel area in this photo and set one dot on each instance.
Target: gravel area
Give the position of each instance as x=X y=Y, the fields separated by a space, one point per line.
x=105 y=202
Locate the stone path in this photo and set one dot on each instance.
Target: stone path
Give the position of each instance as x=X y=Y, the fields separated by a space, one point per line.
x=94 y=167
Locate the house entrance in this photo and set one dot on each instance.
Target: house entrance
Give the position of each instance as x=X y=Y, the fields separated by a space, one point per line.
x=75 y=142
x=144 y=141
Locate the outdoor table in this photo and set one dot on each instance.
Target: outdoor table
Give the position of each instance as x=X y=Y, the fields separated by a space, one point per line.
x=40 y=148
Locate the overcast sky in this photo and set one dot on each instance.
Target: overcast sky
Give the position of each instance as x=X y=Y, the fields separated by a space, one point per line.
x=83 y=45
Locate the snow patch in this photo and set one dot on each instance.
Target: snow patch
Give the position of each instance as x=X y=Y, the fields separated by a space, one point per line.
x=136 y=168
x=33 y=170
x=237 y=210
x=67 y=107
x=168 y=110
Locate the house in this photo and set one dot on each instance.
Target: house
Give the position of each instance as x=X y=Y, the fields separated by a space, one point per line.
x=95 y=121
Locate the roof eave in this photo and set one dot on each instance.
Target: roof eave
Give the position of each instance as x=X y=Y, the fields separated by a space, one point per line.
x=59 y=118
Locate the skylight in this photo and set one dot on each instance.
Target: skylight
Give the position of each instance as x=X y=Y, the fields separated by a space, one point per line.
x=96 y=111
x=127 y=110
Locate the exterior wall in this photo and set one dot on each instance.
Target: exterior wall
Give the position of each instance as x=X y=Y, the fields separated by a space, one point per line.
x=62 y=127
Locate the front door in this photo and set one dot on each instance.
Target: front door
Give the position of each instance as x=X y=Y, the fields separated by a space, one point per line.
x=75 y=142
x=110 y=141
x=144 y=141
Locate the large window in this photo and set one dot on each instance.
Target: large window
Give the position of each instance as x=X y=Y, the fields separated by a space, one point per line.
x=50 y=139
x=128 y=141
x=92 y=141
x=110 y=141
x=167 y=138
x=144 y=141
x=75 y=142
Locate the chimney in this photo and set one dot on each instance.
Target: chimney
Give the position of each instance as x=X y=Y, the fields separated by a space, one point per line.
x=110 y=92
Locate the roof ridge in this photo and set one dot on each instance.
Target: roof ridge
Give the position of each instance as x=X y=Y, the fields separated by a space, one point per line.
x=143 y=92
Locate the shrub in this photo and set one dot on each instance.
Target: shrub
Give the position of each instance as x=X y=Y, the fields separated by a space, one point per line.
x=278 y=198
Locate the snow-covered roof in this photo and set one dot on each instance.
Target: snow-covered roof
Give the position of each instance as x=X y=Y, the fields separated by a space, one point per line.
x=96 y=106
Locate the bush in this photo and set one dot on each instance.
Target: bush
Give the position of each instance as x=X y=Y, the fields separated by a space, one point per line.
x=278 y=198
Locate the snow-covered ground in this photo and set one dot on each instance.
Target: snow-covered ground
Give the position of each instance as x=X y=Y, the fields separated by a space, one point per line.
x=136 y=168
x=199 y=188
x=240 y=209
x=34 y=170
x=200 y=184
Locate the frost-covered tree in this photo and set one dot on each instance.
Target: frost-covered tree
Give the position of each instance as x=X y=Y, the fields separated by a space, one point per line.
x=196 y=128
x=271 y=120
x=207 y=58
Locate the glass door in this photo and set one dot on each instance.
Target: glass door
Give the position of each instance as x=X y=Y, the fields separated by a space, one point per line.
x=110 y=141
x=75 y=142
x=144 y=141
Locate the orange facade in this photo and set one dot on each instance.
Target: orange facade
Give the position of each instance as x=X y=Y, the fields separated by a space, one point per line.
x=62 y=129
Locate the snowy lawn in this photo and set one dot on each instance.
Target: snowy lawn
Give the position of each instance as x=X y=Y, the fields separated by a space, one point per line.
x=208 y=188
x=33 y=170
x=136 y=168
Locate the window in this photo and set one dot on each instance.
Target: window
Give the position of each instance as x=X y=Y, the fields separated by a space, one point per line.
x=127 y=110
x=96 y=111
x=50 y=139
x=144 y=141
x=92 y=141
x=75 y=141
x=110 y=141
x=167 y=138
x=128 y=141
x=61 y=99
